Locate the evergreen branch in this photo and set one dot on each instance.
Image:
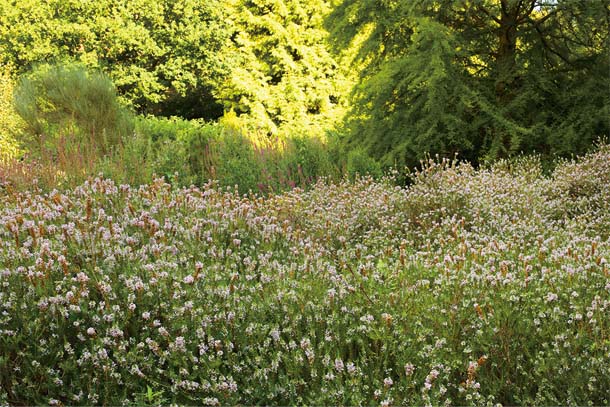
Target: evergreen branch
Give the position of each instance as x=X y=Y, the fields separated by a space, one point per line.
x=484 y=10
x=547 y=46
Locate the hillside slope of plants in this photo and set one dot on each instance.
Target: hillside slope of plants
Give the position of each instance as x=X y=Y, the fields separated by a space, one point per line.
x=469 y=287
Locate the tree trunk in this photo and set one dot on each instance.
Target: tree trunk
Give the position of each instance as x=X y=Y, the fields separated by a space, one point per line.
x=506 y=55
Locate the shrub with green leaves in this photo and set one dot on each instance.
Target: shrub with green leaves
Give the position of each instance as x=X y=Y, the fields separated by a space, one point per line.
x=179 y=147
x=231 y=153
x=68 y=100
x=163 y=56
x=359 y=162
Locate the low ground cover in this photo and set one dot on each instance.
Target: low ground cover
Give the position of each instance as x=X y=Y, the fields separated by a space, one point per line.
x=468 y=287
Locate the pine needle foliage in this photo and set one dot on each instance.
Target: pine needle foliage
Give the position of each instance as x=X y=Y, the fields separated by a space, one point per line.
x=487 y=79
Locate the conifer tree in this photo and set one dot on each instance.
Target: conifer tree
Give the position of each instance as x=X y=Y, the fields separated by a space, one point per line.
x=487 y=78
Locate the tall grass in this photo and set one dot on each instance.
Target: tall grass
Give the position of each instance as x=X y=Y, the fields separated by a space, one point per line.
x=184 y=152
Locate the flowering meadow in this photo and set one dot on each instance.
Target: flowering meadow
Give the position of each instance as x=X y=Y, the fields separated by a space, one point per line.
x=467 y=287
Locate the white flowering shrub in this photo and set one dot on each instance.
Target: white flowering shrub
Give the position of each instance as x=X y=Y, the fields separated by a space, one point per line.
x=469 y=287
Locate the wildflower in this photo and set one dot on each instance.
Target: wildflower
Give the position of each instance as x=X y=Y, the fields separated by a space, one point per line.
x=329 y=376
x=430 y=378
x=90 y=331
x=136 y=371
x=82 y=277
x=386 y=402
x=409 y=369
x=102 y=354
x=387 y=318
x=180 y=343
x=310 y=355
x=115 y=333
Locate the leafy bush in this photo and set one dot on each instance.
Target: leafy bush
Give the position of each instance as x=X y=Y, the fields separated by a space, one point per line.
x=179 y=147
x=67 y=100
x=311 y=156
x=236 y=163
x=359 y=162
x=77 y=128
x=163 y=56
x=233 y=154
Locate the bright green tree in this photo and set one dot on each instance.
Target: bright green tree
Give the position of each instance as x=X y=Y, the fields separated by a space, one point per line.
x=164 y=56
x=485 y=78
x=284 y=77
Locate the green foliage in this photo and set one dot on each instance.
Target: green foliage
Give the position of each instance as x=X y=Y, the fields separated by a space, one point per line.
x=468 y=287
x=163 y=56
x=179 y=146
x=265 y=59
x=285 y=79
x=189 y=152
x=268 y=165
x=185 y=152
x=310 y=158
x=237 y=164
x=486 y=79
x=133 y=162
x=56 y=100
x=359 y=162
x=10 y=122
x=434 y=119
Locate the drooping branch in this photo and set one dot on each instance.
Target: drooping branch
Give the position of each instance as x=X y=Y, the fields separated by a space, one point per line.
x=546 y=44
x=488 y=13
x=542 y=19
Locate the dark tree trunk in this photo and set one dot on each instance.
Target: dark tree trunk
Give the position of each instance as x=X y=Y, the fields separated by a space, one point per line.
x=507 y=49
